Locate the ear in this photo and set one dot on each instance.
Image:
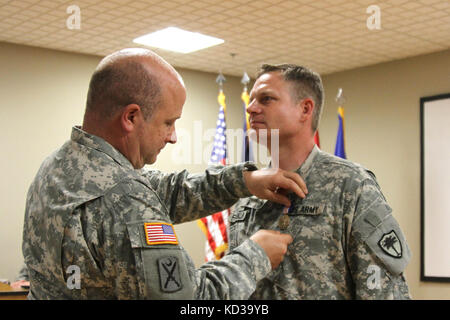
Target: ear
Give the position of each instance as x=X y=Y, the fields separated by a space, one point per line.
x=130 y=117
x=307 y=108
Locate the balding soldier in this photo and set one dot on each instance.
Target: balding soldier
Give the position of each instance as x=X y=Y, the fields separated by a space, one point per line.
x=347 y=244
x=98 y=227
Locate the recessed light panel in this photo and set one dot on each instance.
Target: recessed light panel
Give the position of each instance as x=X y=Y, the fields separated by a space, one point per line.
x=178 y=40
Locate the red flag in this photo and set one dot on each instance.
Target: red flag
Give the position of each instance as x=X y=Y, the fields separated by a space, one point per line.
x=316 y=138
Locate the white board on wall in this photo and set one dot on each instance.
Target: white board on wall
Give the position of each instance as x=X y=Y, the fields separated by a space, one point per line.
x=435 y=188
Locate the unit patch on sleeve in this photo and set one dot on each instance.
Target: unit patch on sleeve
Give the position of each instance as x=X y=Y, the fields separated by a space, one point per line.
x=391 y=244
x=160 y=233
x=169 y=274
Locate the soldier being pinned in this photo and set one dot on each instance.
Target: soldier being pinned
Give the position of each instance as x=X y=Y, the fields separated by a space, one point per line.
x=344 y=228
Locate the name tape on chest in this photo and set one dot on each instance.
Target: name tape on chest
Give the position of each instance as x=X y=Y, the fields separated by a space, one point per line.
x=308 y=210
x=160 y=233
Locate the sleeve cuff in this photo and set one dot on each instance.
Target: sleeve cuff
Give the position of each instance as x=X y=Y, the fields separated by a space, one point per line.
x=258 y=257
x=240 y=168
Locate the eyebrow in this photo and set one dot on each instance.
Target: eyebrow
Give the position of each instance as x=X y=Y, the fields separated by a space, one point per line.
x=173 y=119
x=263 y=92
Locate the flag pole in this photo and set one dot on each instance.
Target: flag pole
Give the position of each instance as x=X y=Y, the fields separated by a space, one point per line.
x=247 y=152
x=221 y=80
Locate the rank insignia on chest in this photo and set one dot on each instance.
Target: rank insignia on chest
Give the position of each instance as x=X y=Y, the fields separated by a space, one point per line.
x=160 y=233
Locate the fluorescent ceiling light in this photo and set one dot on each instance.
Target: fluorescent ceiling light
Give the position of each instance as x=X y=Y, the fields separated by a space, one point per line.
x=178 y=40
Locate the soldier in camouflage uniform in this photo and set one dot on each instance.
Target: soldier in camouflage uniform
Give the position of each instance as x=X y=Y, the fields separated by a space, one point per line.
x=347 y=244
x=98 y=226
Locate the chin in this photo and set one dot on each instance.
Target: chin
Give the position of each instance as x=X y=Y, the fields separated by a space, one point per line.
x=261 y=136
x=259 y=132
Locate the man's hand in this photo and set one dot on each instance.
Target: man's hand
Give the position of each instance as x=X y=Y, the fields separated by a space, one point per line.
x=274 y=244
x=19 y=284
x=272 y=184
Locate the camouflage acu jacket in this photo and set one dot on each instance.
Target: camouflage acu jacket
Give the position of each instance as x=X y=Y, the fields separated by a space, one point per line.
x=96 y=228
x=347 y=244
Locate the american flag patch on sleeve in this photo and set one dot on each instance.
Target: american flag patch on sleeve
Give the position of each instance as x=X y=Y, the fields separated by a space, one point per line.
x=160 y=233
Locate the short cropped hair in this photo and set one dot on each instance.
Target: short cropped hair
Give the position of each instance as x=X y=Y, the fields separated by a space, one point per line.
x=118 y=84
x=306 y=84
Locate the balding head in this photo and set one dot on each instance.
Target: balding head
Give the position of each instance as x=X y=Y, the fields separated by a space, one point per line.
x=134 y=99
x=128 y=76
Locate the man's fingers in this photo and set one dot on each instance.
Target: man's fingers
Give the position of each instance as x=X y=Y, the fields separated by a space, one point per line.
x=268 y=184
x=287 y=238
x=289 y=184
x=272 y=231
x=274 y=243
x=279 y=198
x=297 y=179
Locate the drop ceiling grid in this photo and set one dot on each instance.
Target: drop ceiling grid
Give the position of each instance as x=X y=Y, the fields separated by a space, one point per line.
x=330 y=35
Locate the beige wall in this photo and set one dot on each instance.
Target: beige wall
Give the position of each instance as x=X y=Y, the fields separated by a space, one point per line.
x=43 y=94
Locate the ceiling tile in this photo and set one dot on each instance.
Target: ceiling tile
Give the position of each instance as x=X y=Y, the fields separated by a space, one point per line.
x=329 y=35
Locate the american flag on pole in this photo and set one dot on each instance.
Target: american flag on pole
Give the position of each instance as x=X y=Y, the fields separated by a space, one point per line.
x=215 y=226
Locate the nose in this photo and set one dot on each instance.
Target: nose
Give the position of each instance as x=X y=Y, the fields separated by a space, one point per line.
x=253 y=107
x=173 y=137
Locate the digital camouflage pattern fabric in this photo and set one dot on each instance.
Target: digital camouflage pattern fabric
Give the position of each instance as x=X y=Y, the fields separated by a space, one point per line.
x=86 y=232
x=347 y=244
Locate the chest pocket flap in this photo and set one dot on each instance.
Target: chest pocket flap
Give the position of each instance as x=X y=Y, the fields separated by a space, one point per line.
x=242 y=210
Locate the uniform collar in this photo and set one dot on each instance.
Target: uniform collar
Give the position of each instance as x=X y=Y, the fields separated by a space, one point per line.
x=306 y=165
x=99 y=144
x=304 y=169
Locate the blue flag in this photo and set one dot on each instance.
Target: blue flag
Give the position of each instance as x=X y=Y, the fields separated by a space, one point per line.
x=340 y=140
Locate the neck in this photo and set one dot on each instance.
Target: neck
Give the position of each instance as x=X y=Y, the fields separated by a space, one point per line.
x=292 y=153
x=119 y=140
x=95 y=125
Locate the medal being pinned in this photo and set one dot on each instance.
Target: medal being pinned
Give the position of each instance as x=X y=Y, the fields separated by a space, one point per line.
x=283 y=222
